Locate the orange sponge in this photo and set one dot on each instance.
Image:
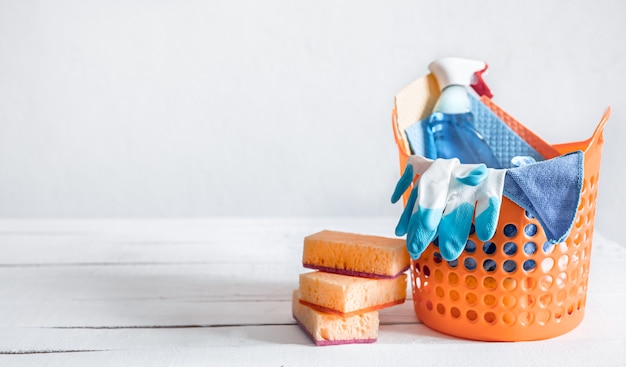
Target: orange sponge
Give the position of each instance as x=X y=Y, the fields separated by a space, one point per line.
x=355 y=254
x=347 y=295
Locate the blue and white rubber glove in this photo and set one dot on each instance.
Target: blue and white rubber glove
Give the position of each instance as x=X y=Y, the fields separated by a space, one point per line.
x=448 y=194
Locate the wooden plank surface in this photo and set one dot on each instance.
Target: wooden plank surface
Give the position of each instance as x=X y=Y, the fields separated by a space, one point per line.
x=217 y=292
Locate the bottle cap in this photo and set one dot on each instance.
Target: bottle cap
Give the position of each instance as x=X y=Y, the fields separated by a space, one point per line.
x=460 y=71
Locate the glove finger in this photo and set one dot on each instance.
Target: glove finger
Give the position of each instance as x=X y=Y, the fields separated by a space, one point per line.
x=416 y=165
x=433 y=192
x=474 y=177
x=486 y=221
x=454 y=231
x=430 y=218
x=403 y=223
x=418 y=237
x=403 y=183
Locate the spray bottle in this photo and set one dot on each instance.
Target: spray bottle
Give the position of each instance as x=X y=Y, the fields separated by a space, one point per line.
x=450 y=131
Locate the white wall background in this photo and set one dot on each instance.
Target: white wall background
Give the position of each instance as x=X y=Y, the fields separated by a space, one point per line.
x=132 y=108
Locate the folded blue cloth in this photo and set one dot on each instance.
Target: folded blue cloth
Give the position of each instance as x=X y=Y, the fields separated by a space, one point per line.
x=549 y=190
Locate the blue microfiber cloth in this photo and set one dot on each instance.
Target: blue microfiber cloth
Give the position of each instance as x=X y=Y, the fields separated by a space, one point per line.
x=504 y=142
x=550 y=191
x=416 y=137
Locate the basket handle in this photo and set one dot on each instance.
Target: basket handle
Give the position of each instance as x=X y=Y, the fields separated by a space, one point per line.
x=596 y=139
x=598 y=133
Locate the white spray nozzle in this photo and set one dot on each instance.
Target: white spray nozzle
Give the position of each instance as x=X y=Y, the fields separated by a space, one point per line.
x=456 y=71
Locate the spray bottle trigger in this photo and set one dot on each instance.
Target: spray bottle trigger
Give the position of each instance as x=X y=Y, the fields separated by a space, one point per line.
x=479 y=84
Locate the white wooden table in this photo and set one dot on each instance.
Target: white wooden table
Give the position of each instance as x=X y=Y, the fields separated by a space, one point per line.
x=217 y=292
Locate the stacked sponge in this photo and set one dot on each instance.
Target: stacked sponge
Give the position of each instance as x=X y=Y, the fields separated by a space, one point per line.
x=356 y=275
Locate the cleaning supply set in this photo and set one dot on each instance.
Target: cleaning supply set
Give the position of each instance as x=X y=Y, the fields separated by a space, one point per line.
x=499 y=223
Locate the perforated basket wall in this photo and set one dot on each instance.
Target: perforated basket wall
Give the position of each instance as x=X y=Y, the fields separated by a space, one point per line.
x=517 y=286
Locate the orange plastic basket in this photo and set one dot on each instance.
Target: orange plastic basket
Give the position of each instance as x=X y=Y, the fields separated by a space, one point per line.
x=517 y=286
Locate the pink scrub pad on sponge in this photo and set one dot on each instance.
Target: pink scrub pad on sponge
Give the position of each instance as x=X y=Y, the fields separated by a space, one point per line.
x=355 y=254
x=330 y=329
